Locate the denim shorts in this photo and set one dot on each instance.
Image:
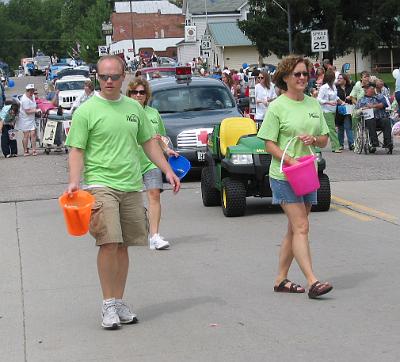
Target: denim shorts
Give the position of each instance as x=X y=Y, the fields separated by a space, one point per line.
x=282 y=193
x=152 y=179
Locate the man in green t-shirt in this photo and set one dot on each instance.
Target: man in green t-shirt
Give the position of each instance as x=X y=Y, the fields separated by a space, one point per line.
x=105 y=135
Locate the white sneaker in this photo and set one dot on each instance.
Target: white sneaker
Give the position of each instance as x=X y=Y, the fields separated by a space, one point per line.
x=124 y=313
x=157 y=242
x=109 y=315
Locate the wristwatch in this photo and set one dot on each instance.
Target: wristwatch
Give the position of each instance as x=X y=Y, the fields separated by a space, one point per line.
x=314 y=140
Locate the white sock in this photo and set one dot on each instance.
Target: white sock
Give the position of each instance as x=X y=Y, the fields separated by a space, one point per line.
x=109 y=301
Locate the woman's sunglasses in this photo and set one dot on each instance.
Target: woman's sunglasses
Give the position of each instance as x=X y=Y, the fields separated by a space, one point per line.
x=299 y=74
x=260 y=77
x=114 y=77
x=141 y=92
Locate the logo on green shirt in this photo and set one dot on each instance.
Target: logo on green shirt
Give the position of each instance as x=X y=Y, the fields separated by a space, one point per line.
x=132 y=118
x=313 y=115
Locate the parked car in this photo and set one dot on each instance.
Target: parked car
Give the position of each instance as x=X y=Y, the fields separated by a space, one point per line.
x=70 y=88
x=166 y=61
x=190 y=107
x=73 y=71
x=55 y=69
x=41 y=63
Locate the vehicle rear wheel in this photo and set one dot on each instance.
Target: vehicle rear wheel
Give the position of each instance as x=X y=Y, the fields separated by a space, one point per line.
x=209 y=193
x=233 y=197
x=323 y=194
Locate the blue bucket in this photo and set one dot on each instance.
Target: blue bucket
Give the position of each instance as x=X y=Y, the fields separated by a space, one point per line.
x=180 y=165
x=342 y=110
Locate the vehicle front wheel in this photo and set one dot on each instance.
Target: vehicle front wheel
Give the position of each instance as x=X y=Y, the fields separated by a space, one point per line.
x=233 y=197
x=209 y=193
x=323 y=194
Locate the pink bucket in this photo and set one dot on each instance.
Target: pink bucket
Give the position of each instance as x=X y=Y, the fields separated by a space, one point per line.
x=302 y=177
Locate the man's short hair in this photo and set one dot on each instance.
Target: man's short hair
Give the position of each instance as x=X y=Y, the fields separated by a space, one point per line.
x=111 y=57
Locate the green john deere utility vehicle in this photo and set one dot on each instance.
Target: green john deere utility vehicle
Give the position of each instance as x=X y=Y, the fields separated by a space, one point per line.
x=237 y=167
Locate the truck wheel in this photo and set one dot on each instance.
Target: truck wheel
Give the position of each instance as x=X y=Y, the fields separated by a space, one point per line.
x=210 y=195
x=233 y=197
x=323 y=194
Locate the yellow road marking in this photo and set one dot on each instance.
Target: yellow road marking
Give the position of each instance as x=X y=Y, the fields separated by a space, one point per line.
x=351 y=213
x=363 y=208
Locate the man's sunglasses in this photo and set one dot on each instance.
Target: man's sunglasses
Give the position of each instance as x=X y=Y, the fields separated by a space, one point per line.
x=113 y=77
x=299 y=74
x=141 y=92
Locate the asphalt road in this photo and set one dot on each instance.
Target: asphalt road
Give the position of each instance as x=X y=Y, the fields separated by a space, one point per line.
x=208 y=298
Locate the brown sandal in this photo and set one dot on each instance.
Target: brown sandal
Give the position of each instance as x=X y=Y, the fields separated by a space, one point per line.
x=318 y=289
x=293 y=288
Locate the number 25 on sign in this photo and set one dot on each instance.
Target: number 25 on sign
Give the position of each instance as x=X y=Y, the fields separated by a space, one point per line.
x=319 y=41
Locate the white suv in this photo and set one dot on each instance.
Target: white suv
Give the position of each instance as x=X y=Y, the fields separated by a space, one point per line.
x=71 y=87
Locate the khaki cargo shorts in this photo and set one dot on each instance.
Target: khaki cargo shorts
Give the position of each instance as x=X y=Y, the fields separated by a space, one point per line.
x=118 y=217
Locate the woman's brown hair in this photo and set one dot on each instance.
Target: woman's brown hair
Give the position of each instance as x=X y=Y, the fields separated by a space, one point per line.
x=137 y=82
x=285 y=68
x=229 y=78
x=329 y=77
x=346 y=78
x=267 y=78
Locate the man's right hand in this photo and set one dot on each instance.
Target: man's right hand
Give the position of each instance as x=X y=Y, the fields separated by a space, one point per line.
x=72 y=187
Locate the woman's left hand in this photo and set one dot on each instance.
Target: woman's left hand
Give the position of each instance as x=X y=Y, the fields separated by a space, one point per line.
x=170 y=153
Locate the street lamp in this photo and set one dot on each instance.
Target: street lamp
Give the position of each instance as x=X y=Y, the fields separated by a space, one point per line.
x=287 y=11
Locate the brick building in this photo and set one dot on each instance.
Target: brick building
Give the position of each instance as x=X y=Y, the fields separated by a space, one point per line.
x=148 y=20
x=147 y=26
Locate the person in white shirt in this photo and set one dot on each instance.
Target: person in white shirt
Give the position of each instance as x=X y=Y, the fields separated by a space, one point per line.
x=264 y=94
x=89 y=92
x=328 y=98
x=26 y=121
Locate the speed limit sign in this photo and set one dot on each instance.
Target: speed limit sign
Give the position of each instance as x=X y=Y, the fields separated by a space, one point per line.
x=319 y=41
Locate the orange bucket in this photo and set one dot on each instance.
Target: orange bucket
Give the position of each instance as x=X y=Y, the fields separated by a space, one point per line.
x=77 y=210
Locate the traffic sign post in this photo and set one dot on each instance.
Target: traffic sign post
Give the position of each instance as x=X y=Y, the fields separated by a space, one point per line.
x=319 y=42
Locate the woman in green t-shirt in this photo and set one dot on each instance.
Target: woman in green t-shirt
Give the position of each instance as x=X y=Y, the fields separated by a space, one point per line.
x=139 y=89
x=294 y=114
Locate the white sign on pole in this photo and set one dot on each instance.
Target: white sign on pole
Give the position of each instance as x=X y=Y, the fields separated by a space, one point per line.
x=190 y=34
x=319 y=41
x=205 y=44
x=103 y=50
x=206 y=54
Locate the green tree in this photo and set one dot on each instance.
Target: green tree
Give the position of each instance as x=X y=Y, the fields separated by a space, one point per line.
x=350 y=25
x=88 y=32
x=54 y=26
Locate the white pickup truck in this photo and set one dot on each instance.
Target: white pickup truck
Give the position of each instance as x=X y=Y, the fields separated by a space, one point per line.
x=71 y=87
